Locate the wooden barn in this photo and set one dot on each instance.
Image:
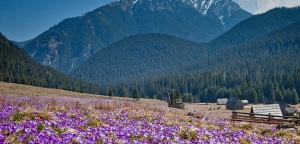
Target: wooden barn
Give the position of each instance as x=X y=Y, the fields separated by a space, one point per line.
x=222 y=101
x=286 y=109
x=290 y=111
x=245 y=102
x=272 y=109
x=234 y=104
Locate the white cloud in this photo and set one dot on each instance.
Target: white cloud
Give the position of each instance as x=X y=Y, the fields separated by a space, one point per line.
x=265 y=5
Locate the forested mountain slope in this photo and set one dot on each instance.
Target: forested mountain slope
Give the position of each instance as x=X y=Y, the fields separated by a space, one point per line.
x=17 y=67
x=68 y=44
x=146 y=55
x=264 y=69
x=256 y=26
x=138 y=57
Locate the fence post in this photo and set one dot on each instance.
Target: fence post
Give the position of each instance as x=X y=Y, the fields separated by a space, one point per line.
x=234 y=115
x=295 y=120
x=269 y=120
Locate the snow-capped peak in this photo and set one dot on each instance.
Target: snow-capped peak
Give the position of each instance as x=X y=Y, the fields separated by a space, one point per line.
x=219 y=8
x=205 y=5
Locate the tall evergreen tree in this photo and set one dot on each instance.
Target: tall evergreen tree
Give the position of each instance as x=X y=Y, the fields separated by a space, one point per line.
x=294 y=97
x=110 y=93
x=135 y=94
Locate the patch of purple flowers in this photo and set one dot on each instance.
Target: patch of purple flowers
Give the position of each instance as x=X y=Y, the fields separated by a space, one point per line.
x=61 y=120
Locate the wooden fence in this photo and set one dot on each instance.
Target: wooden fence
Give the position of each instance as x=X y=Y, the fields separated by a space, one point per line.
x=261 y=118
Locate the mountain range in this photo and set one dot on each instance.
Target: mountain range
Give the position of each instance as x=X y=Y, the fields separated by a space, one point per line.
x=263 y=68
x=68 y=44
x=147 y=55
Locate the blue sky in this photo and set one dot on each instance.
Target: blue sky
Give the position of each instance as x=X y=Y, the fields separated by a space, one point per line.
x=25 y=19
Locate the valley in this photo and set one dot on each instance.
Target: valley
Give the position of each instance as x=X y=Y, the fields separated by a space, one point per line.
x=91 y=119
x=154 y=71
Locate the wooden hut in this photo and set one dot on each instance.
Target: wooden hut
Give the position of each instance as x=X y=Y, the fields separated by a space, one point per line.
x=222 y=101
x=286 y=109
x=245 y=102
x=290 y=111
x=272 y=109
x=234 y=104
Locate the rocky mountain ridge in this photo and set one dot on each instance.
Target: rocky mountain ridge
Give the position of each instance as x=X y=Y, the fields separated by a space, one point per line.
x=68 y=44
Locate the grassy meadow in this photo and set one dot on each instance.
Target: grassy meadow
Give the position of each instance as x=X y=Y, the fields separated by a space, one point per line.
x=37 y=115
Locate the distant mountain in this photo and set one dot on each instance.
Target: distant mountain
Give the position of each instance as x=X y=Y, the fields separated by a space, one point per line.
x=266 y=68
x=68 y=44
x=248 y=32
x=18 y=67
x=148 y=55
x=258 y=25
x=276 y=51
x=138 y=57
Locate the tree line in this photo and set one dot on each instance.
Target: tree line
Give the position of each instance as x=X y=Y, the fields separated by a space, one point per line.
x=208 y=87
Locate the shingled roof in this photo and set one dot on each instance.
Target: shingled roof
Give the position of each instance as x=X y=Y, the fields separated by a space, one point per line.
x=245 y=102
x=272 y=109
x=234 y=104
x=222 y=101
x=291 y=110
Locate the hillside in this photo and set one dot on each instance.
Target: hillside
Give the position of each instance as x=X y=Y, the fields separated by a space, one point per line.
x=27 y=90
x=68 y=44
x=256 y=26
x=138 y=57
x=264 y=69
x=275 y=51
x=17 y=67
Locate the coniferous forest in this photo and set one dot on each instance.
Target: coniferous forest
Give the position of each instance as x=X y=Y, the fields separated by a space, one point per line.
x=265 y=69
x=207 y=87
x=17 y=67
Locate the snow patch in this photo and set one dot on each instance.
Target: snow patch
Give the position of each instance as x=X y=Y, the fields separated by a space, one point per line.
x=134 y=2
x=206 y=6
x=222 y=20
x=203 y=3
x=195 y=3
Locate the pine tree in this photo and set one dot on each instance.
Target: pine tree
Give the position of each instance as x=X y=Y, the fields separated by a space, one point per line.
x=294 y=97
x=110 y=93
x=135 y=94
x=278 y=95
x=176 y=100
x=253 y=98
x=171 y=100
